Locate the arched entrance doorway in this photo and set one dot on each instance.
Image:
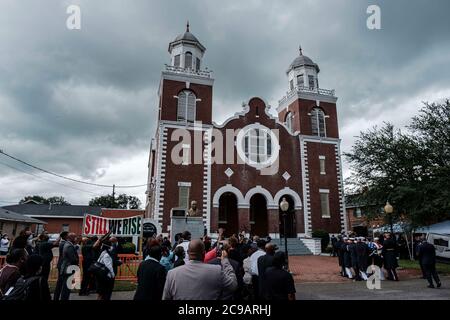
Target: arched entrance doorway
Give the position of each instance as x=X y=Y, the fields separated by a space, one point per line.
x=258 y=215
x=228 y=213
x=291 y=230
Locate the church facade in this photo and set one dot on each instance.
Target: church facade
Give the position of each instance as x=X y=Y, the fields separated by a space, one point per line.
x=238 y=172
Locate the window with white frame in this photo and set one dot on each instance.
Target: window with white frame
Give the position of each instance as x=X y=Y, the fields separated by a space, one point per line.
x=65 y=227
x=186 y=106
x=318 y=127
x=291 y=84
x=322 y=164
x=176 y=61
x=257 y=145
x=188 y=60
x=358 y=213
x=186 y=154
x=183 y=196
x=311 y=82
x=300 y=80
x=325 y=203
x=197 y=64
x=288 y=121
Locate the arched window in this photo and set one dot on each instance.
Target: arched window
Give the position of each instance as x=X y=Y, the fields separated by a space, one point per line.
x=258 y=145
x=318 y=122
x=186 y=106
x=188 y=60
x=288 y=121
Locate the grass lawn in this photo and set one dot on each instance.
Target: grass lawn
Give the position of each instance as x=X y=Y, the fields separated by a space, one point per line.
x=442 y=268
x=119 y=285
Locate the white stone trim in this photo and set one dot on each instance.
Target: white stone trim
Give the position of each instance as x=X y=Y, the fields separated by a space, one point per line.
x=184 y=184
x=185 y=77
x=292 y=193
x=207 y=179
x=306 y=96
x=305 y=184
x=160 y=174
x=229 y=188
x=344 y=222
x=258 y=189
x=324 y=190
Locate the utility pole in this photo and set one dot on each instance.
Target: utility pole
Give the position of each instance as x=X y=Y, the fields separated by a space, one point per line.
x=113 y=196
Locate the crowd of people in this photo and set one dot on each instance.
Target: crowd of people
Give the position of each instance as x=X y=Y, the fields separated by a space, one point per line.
x=28 y=264
x=236 y=268
x=357 y=257
x=230 y=268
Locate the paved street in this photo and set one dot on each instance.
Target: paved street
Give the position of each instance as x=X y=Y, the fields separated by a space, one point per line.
x=411 y=289
x=317 y=278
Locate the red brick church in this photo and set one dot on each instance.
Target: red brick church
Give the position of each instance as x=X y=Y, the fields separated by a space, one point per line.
x=238 y=172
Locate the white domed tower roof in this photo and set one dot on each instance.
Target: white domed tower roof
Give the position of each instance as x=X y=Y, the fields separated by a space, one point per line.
x=302 y=61
x=186 y=38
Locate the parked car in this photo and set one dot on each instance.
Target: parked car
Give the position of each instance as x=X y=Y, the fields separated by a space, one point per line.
x=52 y=237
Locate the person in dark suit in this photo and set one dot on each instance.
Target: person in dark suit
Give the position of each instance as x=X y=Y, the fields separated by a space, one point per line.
x=340 y=248
x=362 y=256
x=70 y=258
x=59 y=283
x=427 y=255
x=151 y=276
x=333 y=241
x=265 y=262
x=390 y=257
x=354 y=259
x=279 y=282
x=89 y=257
x=45 y=251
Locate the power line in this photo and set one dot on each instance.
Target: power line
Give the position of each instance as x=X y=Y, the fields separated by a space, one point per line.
x=70 y=179
x=35 y=175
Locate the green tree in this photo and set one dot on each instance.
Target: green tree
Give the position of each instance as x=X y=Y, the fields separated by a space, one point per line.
x=52 y=200
x=58 y=200
x=411 y=169
x=122 y=201
x=36 y=198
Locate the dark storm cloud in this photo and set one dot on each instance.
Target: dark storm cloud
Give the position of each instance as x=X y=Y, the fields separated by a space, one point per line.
x=84 y=102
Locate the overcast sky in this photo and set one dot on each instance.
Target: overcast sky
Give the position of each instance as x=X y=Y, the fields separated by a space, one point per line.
x=83 y=102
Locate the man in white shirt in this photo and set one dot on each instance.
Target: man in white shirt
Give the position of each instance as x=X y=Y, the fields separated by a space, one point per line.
x=254 y=265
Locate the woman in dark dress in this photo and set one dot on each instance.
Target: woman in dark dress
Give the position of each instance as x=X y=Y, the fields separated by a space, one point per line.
x=390 y=257
x=45 y=251
x=38 y=289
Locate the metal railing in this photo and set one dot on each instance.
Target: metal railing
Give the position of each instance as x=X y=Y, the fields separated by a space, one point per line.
x=300 y=89
x=188 y=71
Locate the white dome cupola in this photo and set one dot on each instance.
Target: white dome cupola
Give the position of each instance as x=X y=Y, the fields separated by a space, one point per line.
x=186 y=51
x=303 y=73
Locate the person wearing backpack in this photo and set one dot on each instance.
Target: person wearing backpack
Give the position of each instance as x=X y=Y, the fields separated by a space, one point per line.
x=32 y=286
x=11 y=271
x=105 y=278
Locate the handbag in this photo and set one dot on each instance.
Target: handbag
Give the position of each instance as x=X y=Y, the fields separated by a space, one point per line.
x=99 y=270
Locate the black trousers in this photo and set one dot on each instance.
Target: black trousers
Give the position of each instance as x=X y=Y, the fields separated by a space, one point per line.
x=255 y=283
x=430 y=271
x=105 y=288
x=65 y=291
x=87 y=280
x=392 y=274
x=45 y=272
x=58 y=288
x=424 y=274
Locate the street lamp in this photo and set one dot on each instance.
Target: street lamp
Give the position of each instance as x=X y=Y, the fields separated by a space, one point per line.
x=284 y=206
x=388 y=209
